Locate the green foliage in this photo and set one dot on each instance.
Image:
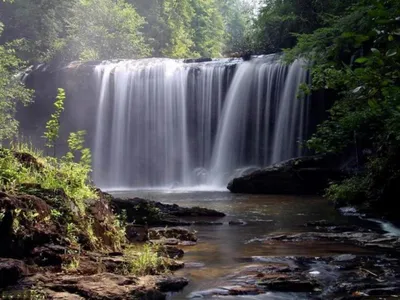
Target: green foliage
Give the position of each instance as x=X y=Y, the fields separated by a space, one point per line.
x=105 y=29
x=53 y=125
x=237 y=17
x=280 y=21
x=12 y=91
x=349 y=191
x=40 y=24
x=207 y=22
x=56 y=30
x=144 y=260
x=53 y=173
x=358 y=57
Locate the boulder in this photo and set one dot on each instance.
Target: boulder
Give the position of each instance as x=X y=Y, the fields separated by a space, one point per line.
x=299 y=176
x=146 y=212
x=171 y=284
x=136 y=233
x=11 y=271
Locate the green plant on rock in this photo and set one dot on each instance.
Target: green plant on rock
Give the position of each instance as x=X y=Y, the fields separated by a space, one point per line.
x=144 y=260
x=72 y=265
x=53 y=125
x=71 y=234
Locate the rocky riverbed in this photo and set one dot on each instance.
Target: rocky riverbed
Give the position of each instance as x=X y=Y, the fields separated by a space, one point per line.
x=248 y=246
x=44 y=255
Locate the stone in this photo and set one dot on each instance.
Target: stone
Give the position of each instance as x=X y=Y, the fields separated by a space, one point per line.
x=171 y=252
x=136 y=233
x=171 y=284
x=299 y=176
x=146 y=212
x=196 y=60
x=245 y=290
x=107 y=286
x=241 y=223
x=345 y=258
x=168 y=242
x=48 y=255
x=289 y=285
x=207 y=223
x=179 y=233
x=11 y=271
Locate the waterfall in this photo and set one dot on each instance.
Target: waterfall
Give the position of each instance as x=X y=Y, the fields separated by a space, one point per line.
x=167 y=123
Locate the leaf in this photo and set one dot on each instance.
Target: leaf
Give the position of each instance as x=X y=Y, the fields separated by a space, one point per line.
x=375 y=51
x=390 y=38
x=356 y=90
x=372 y=103
x=361 y=60
x=391 y=52
x=348 y=34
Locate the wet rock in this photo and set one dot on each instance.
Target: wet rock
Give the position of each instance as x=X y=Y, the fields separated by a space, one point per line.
x=11 y=271
x=136 y=233
x=171 y=252
x=166 y=242
x=245 y=290
x=174 y=265
x=179 y=233
x=194 y=265
x=289 y=285
x=207 y=223
x=171 y=284
x=364 y=239
x=239 y=222
x=153 y=213
x=325 y=226
x=345 y=257
x=384 y=291
x=197 y=60
x=48 y=255
x=187 y=243
x=106 y=286
x=304 y=175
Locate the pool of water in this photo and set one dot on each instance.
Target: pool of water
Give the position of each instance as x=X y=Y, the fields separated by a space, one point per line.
x=222 y=249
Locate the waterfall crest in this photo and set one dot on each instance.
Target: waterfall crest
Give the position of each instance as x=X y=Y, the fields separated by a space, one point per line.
x=165 y=123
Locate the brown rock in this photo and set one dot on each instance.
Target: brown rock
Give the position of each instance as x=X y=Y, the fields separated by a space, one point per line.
x=136 y=233
x=11 y=271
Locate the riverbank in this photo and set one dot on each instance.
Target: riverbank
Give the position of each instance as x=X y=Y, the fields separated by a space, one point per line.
x=281 y=247
x=48 y=255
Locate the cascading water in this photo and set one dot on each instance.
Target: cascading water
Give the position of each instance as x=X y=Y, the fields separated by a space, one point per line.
x=164 y=123
x=263 y=120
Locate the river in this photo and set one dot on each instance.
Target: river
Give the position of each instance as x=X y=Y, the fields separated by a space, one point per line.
x=222 y=249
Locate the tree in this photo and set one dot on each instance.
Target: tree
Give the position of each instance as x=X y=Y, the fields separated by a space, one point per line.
x=280 y=20
x=105 y=29
x=238 y=16
x=358 y=57
x=178 y=15
x=208 y=28
x=12 y=91
x=40 y=24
